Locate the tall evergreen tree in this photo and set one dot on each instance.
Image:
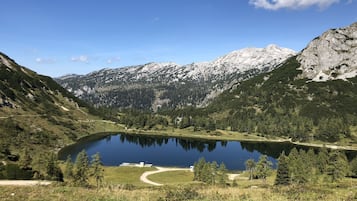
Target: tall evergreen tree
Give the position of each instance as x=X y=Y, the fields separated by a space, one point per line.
x=337 y=167
x=81 y=169
x=53 y=170
x=198 y=167
x=353 y=167
x=214 y=166
x=250 y=166
x=322 y=160
x=222 y=170
x=283 y=175
x=298 y=169
x=263 y=167
x=97 y=169
x=206 y=173
x=68 y=171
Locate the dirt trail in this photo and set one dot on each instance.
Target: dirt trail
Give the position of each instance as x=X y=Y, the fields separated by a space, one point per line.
x=144 y=176
x=232 y=176
x=24 y=183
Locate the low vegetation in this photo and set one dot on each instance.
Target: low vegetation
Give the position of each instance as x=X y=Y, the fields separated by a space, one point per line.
x=245 y=189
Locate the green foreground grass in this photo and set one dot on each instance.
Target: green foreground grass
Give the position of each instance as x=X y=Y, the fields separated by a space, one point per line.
x=125 y=175
x=172 y=177
x=181 y=188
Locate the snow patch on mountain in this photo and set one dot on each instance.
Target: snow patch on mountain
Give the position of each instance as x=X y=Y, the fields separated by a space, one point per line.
x=331 y=56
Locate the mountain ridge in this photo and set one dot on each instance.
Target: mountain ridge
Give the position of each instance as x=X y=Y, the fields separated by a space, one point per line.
x=161 y=80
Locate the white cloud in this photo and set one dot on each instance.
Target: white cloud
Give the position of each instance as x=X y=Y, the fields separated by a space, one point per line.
x=81 y=58
x=113 y=60
x=45 y=60
x=292 y=4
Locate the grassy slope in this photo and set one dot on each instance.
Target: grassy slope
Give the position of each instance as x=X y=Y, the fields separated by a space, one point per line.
x=172 y=177
x=39 y=114
x=115 y=177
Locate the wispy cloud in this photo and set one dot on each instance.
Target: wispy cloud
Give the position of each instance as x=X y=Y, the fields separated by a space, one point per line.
x=82 y=58
x=113 y=60
x=292 y=4
x=45 y=60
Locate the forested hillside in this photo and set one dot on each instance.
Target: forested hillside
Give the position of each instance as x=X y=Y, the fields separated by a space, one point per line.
x=35 y=112
x=280 y=104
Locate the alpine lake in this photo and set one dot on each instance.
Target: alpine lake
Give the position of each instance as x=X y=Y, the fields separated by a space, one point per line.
x=115 y=149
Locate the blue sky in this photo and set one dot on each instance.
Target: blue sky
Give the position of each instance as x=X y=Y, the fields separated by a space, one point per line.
x=59 y=37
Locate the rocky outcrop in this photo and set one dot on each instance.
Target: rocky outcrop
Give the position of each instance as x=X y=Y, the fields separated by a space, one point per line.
x=331 y=56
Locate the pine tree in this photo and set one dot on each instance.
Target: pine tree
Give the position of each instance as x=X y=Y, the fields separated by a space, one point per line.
x=297 y=166
x=250 y=165
x=53 y=170
x=214 y=166
x=263 y=167
x=337 y=167
x=283 y=175
x=304 y=171
x=97 y=169
x=222 y=170
x=353 y=167
x=81 y=169
x=198 y=167
x=322 y=160
x=311 y=158
x=68 y=171
x=206 y=173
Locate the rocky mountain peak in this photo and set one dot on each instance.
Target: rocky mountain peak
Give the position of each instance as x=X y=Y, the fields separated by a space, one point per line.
x=255 y=55
x=331 y=56
x=172 y=85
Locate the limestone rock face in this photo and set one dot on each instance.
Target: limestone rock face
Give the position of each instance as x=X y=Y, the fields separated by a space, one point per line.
x=331 y=56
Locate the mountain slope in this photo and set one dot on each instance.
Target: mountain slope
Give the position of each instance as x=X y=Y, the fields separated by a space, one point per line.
x=293 y=101
x=331 y=56
x=36 y=112
x=170 y=85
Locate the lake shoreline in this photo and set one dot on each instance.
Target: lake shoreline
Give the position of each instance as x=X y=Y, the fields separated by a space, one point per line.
x=241 y=138
x=218 y=135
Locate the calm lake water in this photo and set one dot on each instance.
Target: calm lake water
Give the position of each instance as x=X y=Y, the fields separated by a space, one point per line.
x=170 y=151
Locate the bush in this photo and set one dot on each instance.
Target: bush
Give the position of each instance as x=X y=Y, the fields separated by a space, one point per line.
x=180 y=194
x=13 y=171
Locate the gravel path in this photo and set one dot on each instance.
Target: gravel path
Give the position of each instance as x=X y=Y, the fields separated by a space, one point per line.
x=232 y=176
x=144 y=176
x=23 y=183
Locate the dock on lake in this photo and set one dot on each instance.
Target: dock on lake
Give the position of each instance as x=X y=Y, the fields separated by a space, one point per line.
x=141 y=164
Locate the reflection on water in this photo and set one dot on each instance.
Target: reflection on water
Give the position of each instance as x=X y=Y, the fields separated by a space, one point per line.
x=170 y=151
x=185 y=143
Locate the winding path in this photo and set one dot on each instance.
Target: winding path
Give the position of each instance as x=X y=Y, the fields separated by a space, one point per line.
x=144 y=176
x=24 y=183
